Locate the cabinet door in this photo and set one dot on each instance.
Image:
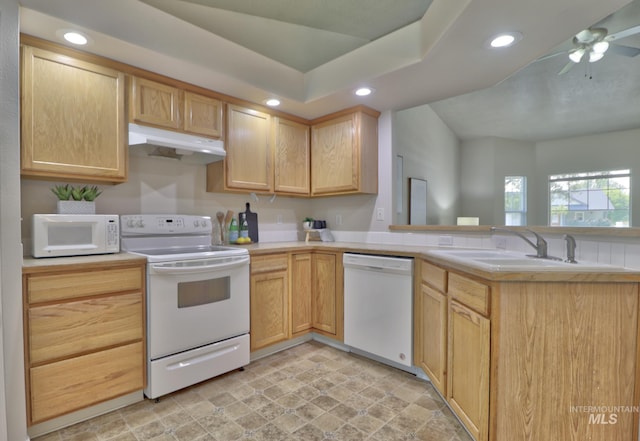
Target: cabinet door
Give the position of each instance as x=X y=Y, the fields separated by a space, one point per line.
x=249 y=156
x=291 y=158
x=324 y=292
x=468 y=368
x=202 y=115
x=301 y=267
x=155 y=103
x=269 y=309
x=335 y=159
x=433 y=335
x=73 y=119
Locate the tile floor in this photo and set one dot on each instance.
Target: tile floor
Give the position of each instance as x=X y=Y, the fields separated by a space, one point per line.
x=309 y=392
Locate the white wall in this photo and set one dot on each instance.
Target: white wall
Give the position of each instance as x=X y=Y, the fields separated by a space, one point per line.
x=13 y=424
x=159 y=185
x=430 y=151
x=484 y=164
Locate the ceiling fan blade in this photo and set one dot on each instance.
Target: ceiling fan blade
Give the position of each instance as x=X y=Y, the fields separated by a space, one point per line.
x=624 y=33
x=567 y=67
x=627 y=51
x=555 y=54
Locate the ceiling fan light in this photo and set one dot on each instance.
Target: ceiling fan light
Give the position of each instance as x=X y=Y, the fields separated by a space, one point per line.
x=595 y=56
x=576 y=55
x=601 y=47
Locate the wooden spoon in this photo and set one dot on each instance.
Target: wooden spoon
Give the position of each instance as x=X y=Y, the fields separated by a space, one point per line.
x=220 y=217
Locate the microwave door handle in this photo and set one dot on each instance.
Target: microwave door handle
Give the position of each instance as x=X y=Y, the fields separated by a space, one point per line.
x=159 y=268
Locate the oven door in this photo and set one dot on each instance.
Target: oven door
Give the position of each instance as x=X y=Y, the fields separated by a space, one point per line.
x=192 y=303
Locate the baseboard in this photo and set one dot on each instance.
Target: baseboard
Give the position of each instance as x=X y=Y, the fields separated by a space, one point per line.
x=83 y=414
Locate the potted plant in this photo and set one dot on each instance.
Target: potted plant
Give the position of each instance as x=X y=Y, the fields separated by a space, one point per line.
x=76 y=200
x=307 y=223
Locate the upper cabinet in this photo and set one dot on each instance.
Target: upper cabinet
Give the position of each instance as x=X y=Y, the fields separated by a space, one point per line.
x=162 y=105
x=344 y=153
x=202 y=115
x=291 y=157
x=340 y=156
x=248 y=164
x=73 y=119
x=155 y=104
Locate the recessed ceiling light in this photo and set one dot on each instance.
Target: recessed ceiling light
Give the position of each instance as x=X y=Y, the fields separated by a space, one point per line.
x=364 y=91
x=75 y=38
x=272 y=102
x=505 y=39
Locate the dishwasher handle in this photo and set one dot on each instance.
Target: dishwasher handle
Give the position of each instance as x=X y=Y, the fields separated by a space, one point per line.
x=380 y=264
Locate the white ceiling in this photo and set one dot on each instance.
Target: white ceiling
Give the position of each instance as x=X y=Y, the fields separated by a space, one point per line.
x=312 y=54
x=538 y=104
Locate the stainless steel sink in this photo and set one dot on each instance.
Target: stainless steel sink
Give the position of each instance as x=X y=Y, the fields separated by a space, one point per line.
x=500 y=260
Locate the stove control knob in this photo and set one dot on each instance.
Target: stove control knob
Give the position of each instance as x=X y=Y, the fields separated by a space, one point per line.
x=130 y=223
x=204 y=223
x=140 y=223
x=196 y=223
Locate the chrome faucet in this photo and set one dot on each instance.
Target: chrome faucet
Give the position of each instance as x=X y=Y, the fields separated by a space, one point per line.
x=540 y=246
x=571 y=248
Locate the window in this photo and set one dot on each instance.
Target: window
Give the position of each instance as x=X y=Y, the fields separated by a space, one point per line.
x=515 y=200
x=591 y=199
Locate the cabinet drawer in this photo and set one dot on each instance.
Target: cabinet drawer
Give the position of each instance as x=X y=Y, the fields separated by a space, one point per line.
x=61 y=330
x=45 y=288
x=75 y=383
x=434 y=276
x=469 y=292
x=264 y=264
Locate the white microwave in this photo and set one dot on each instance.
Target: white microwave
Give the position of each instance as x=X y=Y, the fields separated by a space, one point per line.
x=57 y=235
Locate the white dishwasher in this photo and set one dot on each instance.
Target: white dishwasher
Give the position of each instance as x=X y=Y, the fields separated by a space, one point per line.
x=378 y=305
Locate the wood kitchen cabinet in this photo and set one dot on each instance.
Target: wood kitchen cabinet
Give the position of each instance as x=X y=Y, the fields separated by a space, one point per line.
x=84 y=335
x=203 y=115
x=524 y=359
x=73 y=118
x=264 y=153
x=431 y=311
x=301 y=289
x=291 y=157
x=326 y=287
x=154 y=103
x=248 y=165
x=344 y=153
x=468 y=368
x=294 y=294
x=161 y=105
x=269 y=300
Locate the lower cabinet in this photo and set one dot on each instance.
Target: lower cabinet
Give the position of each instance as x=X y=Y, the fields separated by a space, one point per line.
x=453 y=342
x=324 y=293
x=531 y=360
x=301 y=288
x=293 y=294
x=433 y=336
x=269 y=300
x=84 y=329
x=468 y=360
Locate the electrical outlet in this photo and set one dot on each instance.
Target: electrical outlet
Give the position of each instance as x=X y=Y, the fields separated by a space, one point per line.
x=380 y=214
x=338 y=219
x=445 y=240
x=279 y=219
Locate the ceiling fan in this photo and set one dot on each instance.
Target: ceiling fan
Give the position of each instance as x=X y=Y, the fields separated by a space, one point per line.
x=591 y=44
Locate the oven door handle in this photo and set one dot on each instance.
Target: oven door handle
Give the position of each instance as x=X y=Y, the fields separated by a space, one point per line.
x=167 y=269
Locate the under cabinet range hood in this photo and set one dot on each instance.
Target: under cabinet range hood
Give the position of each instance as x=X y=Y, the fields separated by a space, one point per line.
x=190 y=149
